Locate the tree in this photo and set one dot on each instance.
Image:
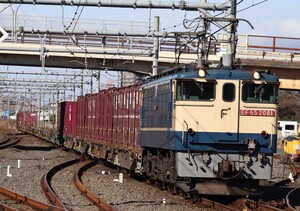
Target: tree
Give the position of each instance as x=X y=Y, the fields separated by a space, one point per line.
x=289 y=105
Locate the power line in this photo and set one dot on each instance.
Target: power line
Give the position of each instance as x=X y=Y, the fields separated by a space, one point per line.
x=6 y=7
x=253 y=5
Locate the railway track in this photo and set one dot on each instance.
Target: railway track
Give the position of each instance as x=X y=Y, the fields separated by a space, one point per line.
x=54 y=198
x=282 y=195
x=100 y=203
x=211 y=204
x=292 y=199
x=10 y=139
x=23 y=202
x=68 y=173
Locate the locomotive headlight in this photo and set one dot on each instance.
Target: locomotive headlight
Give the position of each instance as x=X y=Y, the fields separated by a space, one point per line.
x=201 y=73
x=256 y=75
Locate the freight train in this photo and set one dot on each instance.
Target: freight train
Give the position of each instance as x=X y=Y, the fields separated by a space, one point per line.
x=197 y=130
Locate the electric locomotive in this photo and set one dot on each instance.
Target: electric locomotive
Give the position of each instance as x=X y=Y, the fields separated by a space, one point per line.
x=210 y=131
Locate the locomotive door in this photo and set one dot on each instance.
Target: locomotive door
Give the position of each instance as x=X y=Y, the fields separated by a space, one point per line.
x=227 y=111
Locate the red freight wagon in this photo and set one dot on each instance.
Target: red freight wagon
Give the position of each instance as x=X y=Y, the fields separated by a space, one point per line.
x=91 y=117
x=118 y=112
x=126 y=116
x=20 y=119
x=66 y=120
x=27 y=119
x=31 y=119
x=104 y=117
x=134 y=122
x=102 y=112
x=107 y=111
x=110 y=117
x=81 y=117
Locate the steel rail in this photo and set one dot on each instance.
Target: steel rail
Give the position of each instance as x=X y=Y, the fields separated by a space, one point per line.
x=292 y=199
x=100 y=203
x=27 y=200
x=216 y=205
x=5 y=138
x=48 y=190
x=9 y=143
x=4 y=141
x=7 y=208
x=253 y=205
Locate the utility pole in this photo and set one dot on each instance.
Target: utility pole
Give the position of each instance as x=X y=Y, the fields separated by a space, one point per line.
x=229 y=57
x=155 y=46
x=202 y=39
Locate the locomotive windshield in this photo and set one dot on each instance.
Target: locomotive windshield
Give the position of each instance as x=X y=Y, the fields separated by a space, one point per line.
x=193 y=90
x=260 y=93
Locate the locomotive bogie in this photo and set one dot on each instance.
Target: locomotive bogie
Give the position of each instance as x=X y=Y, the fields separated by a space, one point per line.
x=98 y=151
x=160 y=165
x=68 y=142
x=225 y=166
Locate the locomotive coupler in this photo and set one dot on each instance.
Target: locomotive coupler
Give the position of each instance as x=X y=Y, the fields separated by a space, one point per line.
x=225 y=167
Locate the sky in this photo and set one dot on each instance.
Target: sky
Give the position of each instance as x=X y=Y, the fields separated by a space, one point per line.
x=269 y=17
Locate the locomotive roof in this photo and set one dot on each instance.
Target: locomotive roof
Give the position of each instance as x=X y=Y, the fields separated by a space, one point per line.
x=214 y=74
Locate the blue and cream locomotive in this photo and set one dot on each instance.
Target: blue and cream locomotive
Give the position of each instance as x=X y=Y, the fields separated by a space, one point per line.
x=212 y=131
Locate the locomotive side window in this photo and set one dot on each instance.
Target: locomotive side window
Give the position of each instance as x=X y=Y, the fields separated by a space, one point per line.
x=193 y=90
x=228 y=92
x=260 y=93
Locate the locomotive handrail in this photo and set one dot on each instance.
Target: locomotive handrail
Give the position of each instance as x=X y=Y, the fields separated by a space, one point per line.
x=271 y=141
x=183 y=133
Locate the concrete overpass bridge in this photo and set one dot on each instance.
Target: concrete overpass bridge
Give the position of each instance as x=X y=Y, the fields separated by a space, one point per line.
x=280 y=55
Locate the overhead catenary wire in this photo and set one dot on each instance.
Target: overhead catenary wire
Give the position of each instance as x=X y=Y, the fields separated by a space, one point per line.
x=6 y=8
x=79 y=17
x=253 y=5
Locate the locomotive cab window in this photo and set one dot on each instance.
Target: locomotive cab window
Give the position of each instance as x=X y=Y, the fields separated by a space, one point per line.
x=260 y=93
x=228 y=92
x=194 y=90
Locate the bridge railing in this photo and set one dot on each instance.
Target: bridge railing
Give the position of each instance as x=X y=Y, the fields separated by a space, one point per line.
x=281 y=48
x=269 y=43
x=70 y=24
x=122 y=42
x=245 y=42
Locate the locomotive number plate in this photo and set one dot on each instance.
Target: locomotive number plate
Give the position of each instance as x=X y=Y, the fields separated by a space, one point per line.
x=249 y=112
